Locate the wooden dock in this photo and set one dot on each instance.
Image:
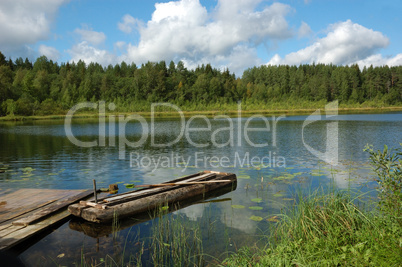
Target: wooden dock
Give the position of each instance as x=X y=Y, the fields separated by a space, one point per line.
x=27 y=212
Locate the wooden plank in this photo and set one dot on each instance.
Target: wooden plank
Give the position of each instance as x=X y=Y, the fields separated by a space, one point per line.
x=40 y=214
x=23 y=210
x=5 y=226
x=30 y=230
x=21 y=196
x=92 y=204
x=16 y=203
x=196 y=175
x=181 y=183
x=11 y=229
x=143 y=192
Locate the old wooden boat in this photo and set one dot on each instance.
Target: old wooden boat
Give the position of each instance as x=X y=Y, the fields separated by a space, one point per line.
x=97 y=230
x=147 y=199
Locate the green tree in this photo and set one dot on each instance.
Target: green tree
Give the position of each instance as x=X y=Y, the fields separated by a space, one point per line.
x=6 y=81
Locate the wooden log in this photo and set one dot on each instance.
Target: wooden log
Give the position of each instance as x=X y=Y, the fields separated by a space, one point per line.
x=148 y=202
x=96 y=230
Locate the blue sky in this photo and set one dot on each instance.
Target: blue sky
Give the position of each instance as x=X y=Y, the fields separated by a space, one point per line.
x=237 y=34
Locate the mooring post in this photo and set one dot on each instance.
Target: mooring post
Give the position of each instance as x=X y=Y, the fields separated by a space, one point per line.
x=96 y=197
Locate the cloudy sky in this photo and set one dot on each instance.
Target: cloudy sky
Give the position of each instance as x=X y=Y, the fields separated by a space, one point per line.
x=237 y=34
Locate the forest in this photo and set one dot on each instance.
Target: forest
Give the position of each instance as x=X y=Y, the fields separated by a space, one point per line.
x=45 y=87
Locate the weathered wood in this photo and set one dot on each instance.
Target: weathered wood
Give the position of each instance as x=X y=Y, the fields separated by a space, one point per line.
x=32 y=211
x=11 y=214
x=42 y=213
x=16 y=237
x=96 y=230
x=181 y=183
x=92 y=204
x=95 y=195
x=147 y=202
x=9 y=230
x=144 y=192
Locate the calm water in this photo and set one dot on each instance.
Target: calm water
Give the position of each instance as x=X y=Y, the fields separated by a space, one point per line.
x=39 y=155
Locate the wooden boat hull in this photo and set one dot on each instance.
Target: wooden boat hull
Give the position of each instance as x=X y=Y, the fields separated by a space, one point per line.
x=97 y=230
x=146 y=200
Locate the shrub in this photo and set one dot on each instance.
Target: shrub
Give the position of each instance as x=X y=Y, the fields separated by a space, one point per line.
x=387 y=164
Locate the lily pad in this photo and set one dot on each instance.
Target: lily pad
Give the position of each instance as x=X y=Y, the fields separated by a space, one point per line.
x=255 y=208
x=243 y=176
x=273 y=219
x=27 y=169
x=317 y=174
x=256 y=218
x=257 y=200
x=238 y=206
x=278 y=194
x=129 y=185
x=52 y=173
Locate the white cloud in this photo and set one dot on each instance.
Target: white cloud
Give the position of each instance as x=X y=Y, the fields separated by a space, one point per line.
x=184 y=30
x=90 y=36
x=345 y=43
x=379 y=60
x=24 y=22
x=50 y=52
x=304 y=30
x=128 y=24
x=87 y=53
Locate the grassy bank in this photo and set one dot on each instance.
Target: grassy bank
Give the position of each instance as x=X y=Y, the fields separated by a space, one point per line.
x=335 y=229
x=224 y=109
x=327 y=230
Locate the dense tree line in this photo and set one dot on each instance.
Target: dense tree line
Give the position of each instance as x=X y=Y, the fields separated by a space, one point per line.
x=45 y=87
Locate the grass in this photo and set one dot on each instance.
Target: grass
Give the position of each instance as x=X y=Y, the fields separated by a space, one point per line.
x=327 y=230
x=173 y=241
x=286 y=107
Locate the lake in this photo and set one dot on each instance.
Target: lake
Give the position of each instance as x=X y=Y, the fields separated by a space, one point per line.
x=274 y=159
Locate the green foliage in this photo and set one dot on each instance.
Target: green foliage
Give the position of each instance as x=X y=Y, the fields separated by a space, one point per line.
x=9 y=107
x=388 y=167
x=133 y=88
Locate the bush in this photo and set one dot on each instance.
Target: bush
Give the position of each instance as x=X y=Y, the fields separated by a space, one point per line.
x=24 y=107
x=388 y=167
x=48 y=107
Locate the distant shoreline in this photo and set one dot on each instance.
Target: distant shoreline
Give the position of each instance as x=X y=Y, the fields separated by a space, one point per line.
x=208 y=113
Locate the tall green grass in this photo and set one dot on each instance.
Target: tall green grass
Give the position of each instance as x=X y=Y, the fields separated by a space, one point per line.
x=175 y=243
x=327 y=229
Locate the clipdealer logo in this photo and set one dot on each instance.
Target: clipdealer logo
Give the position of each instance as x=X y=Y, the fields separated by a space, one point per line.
x=238 y=136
